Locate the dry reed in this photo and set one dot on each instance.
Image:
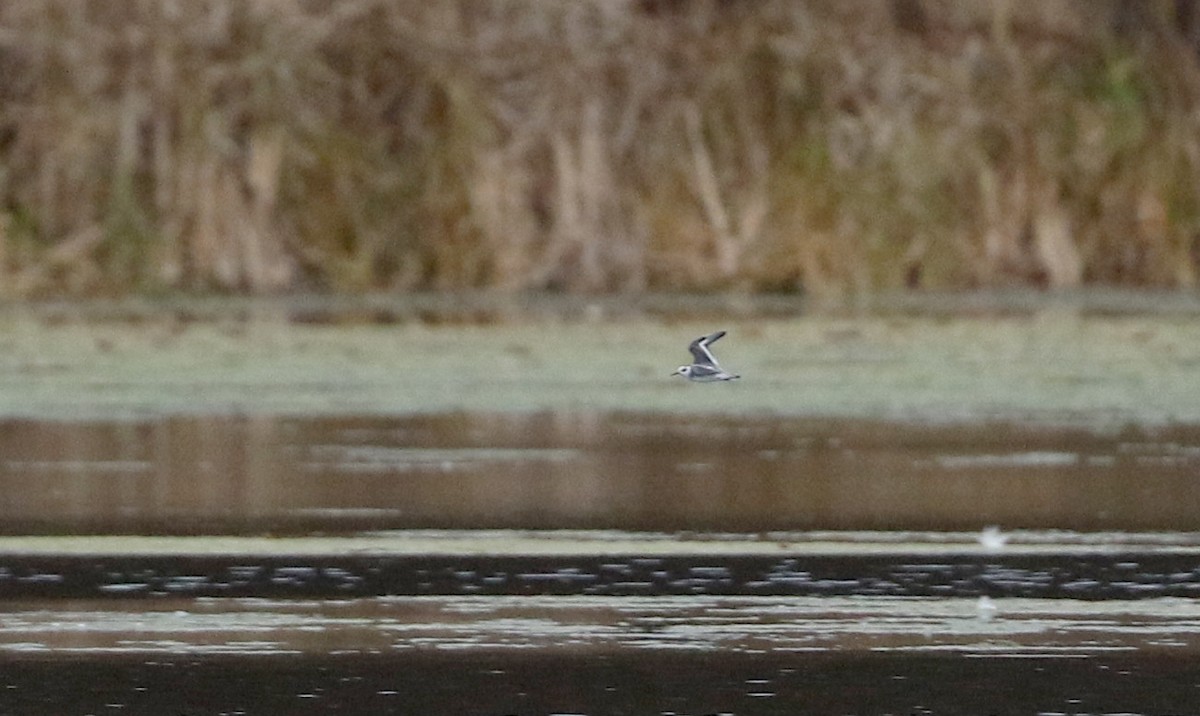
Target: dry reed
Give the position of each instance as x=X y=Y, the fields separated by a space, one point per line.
x=823 y=146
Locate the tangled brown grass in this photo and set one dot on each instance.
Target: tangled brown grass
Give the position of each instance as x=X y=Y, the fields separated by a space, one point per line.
x=829 y=147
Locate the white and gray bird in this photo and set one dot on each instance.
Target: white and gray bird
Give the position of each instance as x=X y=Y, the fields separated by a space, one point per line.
x=704 y=367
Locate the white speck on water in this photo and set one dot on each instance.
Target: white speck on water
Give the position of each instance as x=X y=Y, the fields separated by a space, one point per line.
x=992 y=538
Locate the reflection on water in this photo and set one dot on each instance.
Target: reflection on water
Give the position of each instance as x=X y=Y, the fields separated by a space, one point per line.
x=779 y=618
x=683 y=655
x=601 y=625
x=573 y=564
x=588 y=470
x=453 y=684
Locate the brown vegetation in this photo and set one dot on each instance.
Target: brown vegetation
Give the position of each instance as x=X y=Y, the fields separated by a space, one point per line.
x=825 y=146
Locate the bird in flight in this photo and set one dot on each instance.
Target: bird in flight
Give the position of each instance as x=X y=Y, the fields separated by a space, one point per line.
x=704 y=367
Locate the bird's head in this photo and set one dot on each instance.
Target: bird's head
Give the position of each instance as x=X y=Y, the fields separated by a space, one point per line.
x=684 y=370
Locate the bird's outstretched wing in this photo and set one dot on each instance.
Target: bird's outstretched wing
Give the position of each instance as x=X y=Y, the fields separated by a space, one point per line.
x=700 y=349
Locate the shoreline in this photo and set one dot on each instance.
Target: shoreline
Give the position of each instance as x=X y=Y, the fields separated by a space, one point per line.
x=1061 y=363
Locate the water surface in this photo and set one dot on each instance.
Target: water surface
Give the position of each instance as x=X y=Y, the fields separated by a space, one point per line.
x=595 y=626
x=589 y=470
x=591 y=561
x=689 y=655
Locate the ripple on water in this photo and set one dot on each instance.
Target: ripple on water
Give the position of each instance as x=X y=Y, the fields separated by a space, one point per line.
x=605 y=625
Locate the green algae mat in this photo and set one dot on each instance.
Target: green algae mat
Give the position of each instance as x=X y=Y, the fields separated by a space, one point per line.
x=1059 y=366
